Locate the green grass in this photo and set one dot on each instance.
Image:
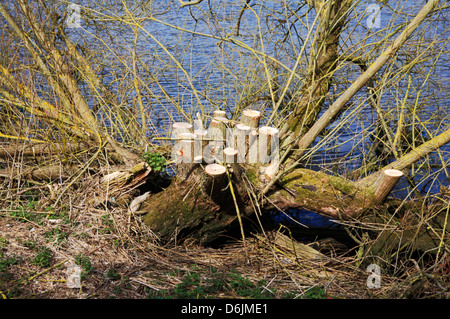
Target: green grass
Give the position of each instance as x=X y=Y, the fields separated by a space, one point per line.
x=229 y=284
x=112 y=274
x=196 y=286
x=43 y=258
x=3 y=243
x=108 y=223
x=5 y=262
x=31 y=211
x=315 y=292
x=57 y=235
x=85 y=264
x=26 y=213
x=6 y=278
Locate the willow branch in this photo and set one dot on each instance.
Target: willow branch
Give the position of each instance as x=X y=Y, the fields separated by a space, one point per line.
x=412 y=157
x=185 y=4
x=334 y=109
x=241 y=13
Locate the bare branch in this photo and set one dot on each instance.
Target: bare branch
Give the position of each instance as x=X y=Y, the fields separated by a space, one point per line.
x=185 y=4
x=330 y=114
x=238 y=23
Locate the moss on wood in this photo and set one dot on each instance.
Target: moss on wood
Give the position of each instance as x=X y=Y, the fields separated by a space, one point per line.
x=182 y=210
x=329 y=195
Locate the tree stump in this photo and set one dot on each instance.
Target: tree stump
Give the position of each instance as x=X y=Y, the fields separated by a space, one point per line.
x=251 y=118
x=186 y=155
x=220 y=114
x=214 y=190
x=214 y=182
x=242 y=142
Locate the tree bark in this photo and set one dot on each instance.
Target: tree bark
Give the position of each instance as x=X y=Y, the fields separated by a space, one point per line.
x=204 y=212
x=200 y=208
x=388 y=179
x=325 y=56
x=41 y=173
x=41 y=149
x=203 y=208
x=203 y=203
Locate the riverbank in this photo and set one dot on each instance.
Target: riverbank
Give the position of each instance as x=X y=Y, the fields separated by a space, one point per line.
x=119 y=257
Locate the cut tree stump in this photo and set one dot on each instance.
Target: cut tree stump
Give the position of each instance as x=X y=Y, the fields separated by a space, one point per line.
x=182 y=127
x=204 y=204
x=214 y=181
x=242 y=142
x=220 y=114
x=251 y=118
x=200 y=208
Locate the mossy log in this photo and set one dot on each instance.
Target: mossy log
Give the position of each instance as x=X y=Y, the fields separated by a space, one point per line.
x=332 y=196
x=191 y=208
x=203 y=202
x=199 y=207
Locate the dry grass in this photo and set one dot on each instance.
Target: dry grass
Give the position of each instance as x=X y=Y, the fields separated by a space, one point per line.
x=127 y=261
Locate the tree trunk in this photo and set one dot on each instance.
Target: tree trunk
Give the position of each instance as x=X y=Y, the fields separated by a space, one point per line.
x=41 y=173
x=324 y=59
x=200 y=207
x=204 y=201
x=210 y=201
x=330 y=115
x=42 y=149
x=203 y=208
x=75 y=117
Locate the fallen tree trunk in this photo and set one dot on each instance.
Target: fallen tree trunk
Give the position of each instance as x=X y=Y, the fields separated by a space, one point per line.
x=40 y=173
x=331 y=196
x=204 y=208
x=41 y=149
x=189 y=210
